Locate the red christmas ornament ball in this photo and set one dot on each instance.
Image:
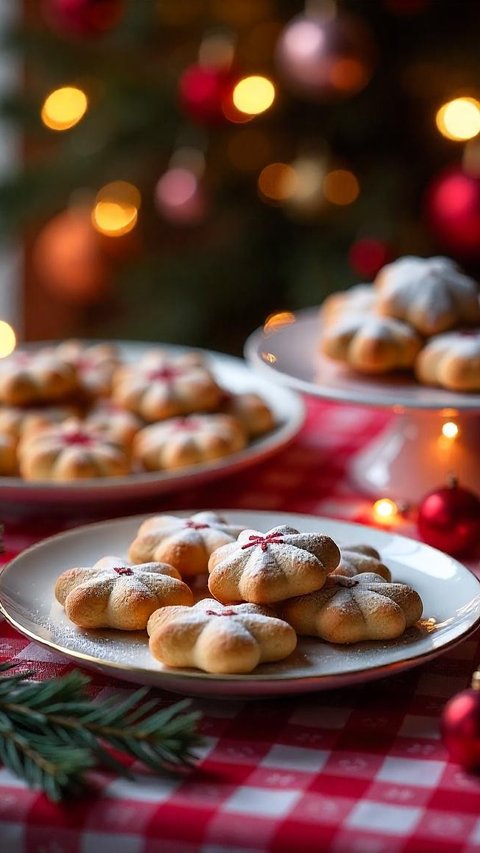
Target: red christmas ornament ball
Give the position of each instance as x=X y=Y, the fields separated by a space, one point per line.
x=452 y=209
x=460 y=726
x=205 y=93
x=449 y=519
x=368 y=255
x=81 y=18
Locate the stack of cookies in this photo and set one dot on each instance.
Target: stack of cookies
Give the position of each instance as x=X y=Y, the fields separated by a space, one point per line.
x=421 y=315
x=224 y=599
x=76 y=411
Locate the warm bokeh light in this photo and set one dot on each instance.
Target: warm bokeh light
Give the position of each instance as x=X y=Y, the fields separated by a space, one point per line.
x=384 y=510
x=253 y=95
x=307 y=197
x=176 y=187
x=113 y=219
x=63 y=108
x=277 y=320
x=179 y=197
x=116 y=208
x=277 y=182
x=450 y=429
x=341 y=187
x=459 y=119
x=269 y=357
x=349 y=75
x=8 y=339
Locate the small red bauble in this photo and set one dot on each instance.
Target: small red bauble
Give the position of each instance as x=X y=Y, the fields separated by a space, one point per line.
x=460 y=726
x=205 y=93
x=368 y=255
x=452 y=207
x=449 y=519
x=81 y=18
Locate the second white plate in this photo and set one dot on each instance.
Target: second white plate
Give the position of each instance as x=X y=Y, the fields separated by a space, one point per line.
x=234 y=375
x=450 y=592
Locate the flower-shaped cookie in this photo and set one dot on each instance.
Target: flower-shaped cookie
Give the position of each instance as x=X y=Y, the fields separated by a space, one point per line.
x=36 y=376
x=94 y=363
x=348 y=610
x=219 y=639
x=114 y=594
x=71 y=451
x=451 y=360
x=357 y=559
x=432 y=294
x=188 y=441
x=371 y=344
x=251 y=410
x=264 y=568
x=185 y=543
x=109 y=418
x=160 y=386
x=359 y=299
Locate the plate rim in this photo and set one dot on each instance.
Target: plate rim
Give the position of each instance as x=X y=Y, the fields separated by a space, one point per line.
x=146 y=481
x=468 y=403
x=335 y=680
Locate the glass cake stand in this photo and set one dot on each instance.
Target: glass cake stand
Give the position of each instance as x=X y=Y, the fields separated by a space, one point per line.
x=412 y=455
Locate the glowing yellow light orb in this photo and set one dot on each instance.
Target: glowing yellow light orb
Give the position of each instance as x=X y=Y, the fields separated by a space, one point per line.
x=253 y=95
x=459 y=119
x=341 y=187
x=114 y=219
x=63 y=108
x=450 y=429
x=116 y=208
x=7 y=339
x=385 y=510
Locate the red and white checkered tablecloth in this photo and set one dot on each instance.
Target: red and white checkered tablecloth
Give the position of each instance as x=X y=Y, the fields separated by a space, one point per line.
x=357 y=770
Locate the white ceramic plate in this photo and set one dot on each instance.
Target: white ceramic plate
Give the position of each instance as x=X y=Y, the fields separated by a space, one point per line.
x=233 y=374
x=289 y=355
x=450 y=592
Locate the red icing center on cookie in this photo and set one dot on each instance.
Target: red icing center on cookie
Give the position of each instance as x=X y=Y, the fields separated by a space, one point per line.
x=222 y=613
x=194 y=526
x=77 y=437
x=263 y=541
x=123 y=570
x=167 y=374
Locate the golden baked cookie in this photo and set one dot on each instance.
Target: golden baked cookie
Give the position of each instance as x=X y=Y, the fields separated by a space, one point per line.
x=188 y=441
x=251 y=411
x=219 y=639
x=71 y=451
x=94 y=364
x=451 y=360
x=359 y=299
x=371 y=344
x=263 y=568
x=111 y=419
x=349 y=610
x=114 y=594
x=357 y=559
x=432 y=294
x=29 y=377
x=160 y=386
x=185 y=543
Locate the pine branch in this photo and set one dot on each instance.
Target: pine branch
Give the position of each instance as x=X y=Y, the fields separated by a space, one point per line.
x=51 y=733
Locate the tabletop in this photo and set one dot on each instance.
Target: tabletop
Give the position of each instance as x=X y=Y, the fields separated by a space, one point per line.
x=357 y=770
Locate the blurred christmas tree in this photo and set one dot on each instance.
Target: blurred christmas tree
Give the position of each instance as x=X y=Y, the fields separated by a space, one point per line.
x=192 y=166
